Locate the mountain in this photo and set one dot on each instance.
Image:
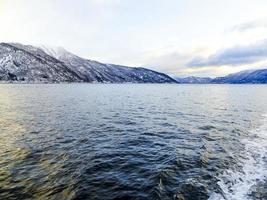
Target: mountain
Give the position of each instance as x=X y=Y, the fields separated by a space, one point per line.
x=93 y=71
x=30 y=64
x=25 y=63
x=248 y=76
x=194 y=80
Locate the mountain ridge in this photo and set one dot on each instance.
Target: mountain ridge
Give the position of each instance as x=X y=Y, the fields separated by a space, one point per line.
x=31 y=64
x=257 y=76
x=193 y=80
x=243 y=77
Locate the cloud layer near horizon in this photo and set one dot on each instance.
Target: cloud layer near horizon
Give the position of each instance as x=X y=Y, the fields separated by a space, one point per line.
x=233 y=56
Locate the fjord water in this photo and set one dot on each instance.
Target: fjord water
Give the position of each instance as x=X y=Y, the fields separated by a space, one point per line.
x=130 y=141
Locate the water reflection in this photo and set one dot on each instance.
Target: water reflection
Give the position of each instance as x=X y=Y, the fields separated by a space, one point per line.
x=28 y=169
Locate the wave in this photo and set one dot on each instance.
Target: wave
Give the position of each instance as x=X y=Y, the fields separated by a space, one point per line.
x=240 y=184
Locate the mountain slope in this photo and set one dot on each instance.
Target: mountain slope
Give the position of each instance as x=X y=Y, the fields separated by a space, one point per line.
x=194 y=80
x=33 y=64
x=93 y=71
x=249 y=76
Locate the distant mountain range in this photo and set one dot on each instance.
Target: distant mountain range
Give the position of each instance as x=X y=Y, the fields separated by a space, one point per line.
x=248 y=76
x=243 y=77
x=194 y=80
x=30 y=64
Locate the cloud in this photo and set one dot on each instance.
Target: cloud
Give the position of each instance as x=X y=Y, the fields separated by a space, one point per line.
x=169 y=62
x=260 y=23
x=105 y=1
x=233 y=56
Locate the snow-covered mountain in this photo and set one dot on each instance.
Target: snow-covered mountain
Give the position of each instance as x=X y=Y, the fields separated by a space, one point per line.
x=248 y=76
x=194 y=80
x=30 y=64
x=93 y=71
x=27 y=63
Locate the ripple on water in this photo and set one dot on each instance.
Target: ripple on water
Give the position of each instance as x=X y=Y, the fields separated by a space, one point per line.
x=82 y=141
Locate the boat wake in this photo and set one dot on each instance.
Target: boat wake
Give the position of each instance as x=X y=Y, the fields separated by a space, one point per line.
x=242 y=184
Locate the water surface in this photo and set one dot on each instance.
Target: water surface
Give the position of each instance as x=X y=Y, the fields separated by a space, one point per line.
x=107 y=141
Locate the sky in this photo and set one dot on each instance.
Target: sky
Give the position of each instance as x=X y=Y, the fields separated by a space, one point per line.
x=177 y=37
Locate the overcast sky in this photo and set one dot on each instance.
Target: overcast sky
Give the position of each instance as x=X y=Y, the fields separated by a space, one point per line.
x=178 y=37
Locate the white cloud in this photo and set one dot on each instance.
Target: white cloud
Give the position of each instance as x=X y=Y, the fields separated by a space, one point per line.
x=162 y=35
x=251 y=25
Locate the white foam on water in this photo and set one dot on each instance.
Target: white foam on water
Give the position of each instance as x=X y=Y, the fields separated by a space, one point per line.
x=237 y=185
